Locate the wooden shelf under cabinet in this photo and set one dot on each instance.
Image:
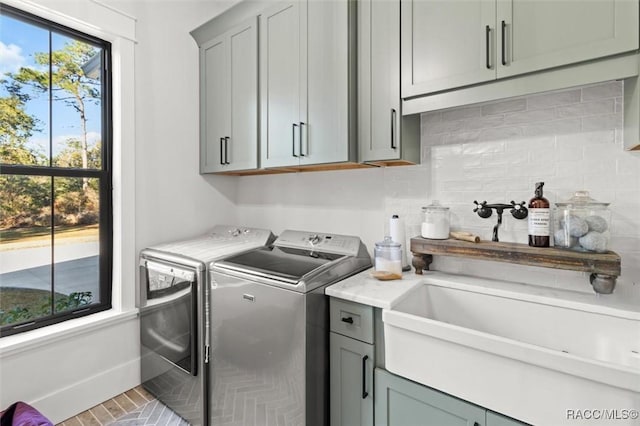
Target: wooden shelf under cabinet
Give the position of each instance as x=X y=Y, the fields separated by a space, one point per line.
x=607 y=263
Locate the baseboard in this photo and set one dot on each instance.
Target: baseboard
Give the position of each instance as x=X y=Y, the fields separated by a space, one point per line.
x=82 y=395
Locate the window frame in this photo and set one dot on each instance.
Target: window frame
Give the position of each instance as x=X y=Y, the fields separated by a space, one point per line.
x=104 y=175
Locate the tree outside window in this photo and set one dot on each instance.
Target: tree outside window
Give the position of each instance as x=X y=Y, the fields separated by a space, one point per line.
x=55 y=177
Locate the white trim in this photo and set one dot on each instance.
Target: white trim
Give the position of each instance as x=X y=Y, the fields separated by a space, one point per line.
x=116 y=10
x=87 y=16
x=90 y=391
x=16 y=344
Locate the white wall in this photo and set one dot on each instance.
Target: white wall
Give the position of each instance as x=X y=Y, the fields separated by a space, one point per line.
x=569 y=139
x=89 y=359
x=172 y=199
x=158 y=193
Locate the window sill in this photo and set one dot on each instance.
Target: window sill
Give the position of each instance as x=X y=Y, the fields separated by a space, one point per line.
x=11 y=345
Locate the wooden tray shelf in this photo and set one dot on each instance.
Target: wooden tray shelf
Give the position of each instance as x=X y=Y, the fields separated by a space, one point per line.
x=605 y=265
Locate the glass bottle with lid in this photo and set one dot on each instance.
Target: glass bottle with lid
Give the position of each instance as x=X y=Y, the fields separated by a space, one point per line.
x=435 y=222
x=388 y=256
x=582 y=223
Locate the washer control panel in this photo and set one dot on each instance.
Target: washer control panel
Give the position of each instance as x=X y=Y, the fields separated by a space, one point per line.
x=347 y=245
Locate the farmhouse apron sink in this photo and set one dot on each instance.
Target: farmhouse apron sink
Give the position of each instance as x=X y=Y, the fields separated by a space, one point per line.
x=524 y=354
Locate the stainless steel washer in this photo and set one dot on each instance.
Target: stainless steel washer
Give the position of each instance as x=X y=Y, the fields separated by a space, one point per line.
x=174 y=306
x=269 y=325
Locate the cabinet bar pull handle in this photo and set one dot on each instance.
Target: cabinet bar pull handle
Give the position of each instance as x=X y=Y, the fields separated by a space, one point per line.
x=348 y=320
x=504 y=43
x=487 y=33
x=300 y=141
x=393 y=128
x=221 y=151
x=226 y=150
x=293 y=139
x=364 y=375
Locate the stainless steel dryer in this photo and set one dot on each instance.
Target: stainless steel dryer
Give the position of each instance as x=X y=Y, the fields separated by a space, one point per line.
x=174 y=306
x=269 y=324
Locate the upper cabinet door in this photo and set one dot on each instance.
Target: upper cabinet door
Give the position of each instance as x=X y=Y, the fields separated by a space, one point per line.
x=379 y=79
x=447 y=44
x=229 y=100
x=325 y=103
x=546 y=34
x=214 y=104
x=242 y=146
x=281 y=84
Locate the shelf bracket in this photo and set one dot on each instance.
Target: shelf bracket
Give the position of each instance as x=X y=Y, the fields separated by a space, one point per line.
x=421 y=262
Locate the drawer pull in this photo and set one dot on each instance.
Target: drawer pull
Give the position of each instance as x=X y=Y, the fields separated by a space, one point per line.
x=348 y=320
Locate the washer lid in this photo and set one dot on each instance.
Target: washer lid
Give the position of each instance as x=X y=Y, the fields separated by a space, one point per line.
x=287 y=264
x=301 y=261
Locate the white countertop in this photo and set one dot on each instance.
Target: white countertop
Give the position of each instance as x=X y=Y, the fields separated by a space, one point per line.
x=362 y=288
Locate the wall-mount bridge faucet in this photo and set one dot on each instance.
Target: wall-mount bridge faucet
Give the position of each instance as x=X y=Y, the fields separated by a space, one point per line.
x=484 y=210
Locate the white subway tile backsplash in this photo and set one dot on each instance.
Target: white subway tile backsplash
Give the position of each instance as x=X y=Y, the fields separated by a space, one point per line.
x=461 y=113
x=499 y=133
x=482 y=122
x=431 y=117
x=602 y=122
x=501 y=107
x=569 y=139
x=483 y=148
x=462 y=137
x=443 y=127
x=556 y=127
x=587 y=109
x=610 y=89
x=601 y=137
x=530 y=116
x=548 y=99
x=446 y=151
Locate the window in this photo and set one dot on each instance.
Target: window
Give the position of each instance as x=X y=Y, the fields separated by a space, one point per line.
x=55 y=173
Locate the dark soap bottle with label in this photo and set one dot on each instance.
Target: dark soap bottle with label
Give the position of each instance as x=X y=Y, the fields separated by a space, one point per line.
x=539 y=219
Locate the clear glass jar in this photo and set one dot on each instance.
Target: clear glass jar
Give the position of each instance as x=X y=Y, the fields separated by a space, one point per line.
x=582 y=224
x=435 y=221
x=388 y=256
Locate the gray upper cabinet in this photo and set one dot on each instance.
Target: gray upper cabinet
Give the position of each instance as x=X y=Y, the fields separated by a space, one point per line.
x=283 y=49
x=380 y=122
x=229 y=100
x=306 y=85
x=446 y=44
x=545 y=34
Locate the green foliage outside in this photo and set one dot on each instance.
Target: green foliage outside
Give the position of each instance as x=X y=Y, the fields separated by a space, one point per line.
x=25 y=201
x=21 y=305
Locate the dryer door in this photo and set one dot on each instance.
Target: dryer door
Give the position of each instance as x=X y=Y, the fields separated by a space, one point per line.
x=168 y=318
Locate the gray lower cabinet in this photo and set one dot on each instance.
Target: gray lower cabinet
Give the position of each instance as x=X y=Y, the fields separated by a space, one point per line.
x=401 y=402
x=495 y=419
x=351 y=363
x=351 y=380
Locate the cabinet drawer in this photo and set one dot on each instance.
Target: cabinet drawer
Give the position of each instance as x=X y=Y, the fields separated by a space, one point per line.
x=351 y=319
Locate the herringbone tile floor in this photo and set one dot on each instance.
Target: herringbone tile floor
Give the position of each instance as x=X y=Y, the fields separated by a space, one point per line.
x=134 y=407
